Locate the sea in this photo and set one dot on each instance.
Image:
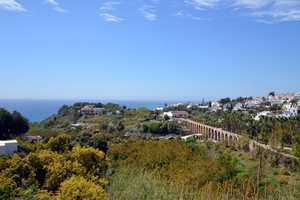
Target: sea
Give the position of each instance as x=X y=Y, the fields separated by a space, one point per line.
x=37 y=110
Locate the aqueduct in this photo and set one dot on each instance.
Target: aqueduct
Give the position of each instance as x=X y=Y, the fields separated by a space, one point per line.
x=217 y=134
x=209 y=132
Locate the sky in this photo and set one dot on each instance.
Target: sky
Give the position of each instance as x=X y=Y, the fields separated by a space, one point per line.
x=148 y=50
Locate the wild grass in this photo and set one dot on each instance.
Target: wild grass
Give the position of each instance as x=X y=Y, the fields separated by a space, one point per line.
x=128 y=182
x=134 y=181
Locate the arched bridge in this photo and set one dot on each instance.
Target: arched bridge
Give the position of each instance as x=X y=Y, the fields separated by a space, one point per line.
x=217 y=134
x=209 y=132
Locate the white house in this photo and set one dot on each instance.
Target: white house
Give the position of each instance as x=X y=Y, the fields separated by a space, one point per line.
x=8 y=146
x=263 y=113
x=91 y=109
x=227 y=106
x=180 y=114
x=292 y=108
x=286 y=114
x=215 y=106
x=297 y=96
x=252 y=104
x=276 y=102
x=177 y=114
x=238 y=106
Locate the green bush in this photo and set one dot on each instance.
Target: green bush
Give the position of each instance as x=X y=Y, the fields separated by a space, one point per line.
x=6 y=192
x=191 y=140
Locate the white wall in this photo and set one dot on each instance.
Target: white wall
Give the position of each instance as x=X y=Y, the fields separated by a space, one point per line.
x=10 y=146
x=2 y=148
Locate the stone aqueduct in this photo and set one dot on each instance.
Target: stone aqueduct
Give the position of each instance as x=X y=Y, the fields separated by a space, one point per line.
x=217 y=134
x=209 y=132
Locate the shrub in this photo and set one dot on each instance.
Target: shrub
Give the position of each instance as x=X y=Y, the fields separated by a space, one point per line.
x=78 y=187
x=283 y=179
x=191 y=140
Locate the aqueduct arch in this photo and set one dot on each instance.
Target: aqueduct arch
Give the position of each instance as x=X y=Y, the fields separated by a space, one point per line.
x=209 y=132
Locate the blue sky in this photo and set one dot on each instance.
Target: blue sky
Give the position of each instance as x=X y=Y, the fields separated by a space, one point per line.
x=148 y=50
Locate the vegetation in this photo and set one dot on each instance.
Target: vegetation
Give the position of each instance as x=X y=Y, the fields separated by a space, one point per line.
x=117 y=153
x=12 y=124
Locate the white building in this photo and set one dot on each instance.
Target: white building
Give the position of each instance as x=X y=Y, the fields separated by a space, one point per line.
x=177 y=114
x=8 y=146
x=292 y=108
x=263 y=113
x=238 y=106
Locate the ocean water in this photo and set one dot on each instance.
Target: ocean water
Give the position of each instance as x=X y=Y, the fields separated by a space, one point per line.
x=38 y=110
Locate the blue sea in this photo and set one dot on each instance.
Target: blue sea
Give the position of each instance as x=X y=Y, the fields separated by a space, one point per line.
x=38 y=110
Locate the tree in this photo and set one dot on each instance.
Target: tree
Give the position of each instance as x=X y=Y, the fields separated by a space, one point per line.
x=272 y=94
x=225 y=100
x=92 y=162
x=98 y=142
x=166 y=117
x=191 y=140
x=256 y=126
x=281 y=121
x=60 y=143
x=296 y=145
x=294 y=101
x=225 y=119
x=99 y=105
x=78 y=187
x=20 y=124
x=272 y=122
x=12 y=125
x=228 y=165
x=263 y=120
x=111 y=128
x=120 y=126
x=103 y=126
x=74 y=113
x=63 y=110
x=5 y=123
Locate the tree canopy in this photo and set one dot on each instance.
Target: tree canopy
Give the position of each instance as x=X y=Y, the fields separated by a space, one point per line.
x=12 y=124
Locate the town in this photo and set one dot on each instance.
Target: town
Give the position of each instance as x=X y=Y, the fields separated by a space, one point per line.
x=230 y=140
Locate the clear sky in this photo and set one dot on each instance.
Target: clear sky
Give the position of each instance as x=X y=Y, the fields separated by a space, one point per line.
x=148 y=50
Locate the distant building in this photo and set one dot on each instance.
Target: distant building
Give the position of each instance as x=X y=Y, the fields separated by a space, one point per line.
x=90 y=109
x=177 y=114
x=8 y=147
x=180 y=114
x=227 y=106
x=238 y=106
x=276 y=102
x=297 y=96
x=31 y=138
x=263 y=113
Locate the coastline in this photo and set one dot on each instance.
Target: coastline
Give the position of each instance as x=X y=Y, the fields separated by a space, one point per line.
x=36 y=110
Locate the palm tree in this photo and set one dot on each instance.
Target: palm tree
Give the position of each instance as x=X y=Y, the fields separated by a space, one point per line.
x=246 y=122
x=233 y=121
x=282 y=123
x=272 y=122
x=256 y=125
x=297 y=119
x=293 y=124
x=250 y=127
x=225 y=120
x=263 y=120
